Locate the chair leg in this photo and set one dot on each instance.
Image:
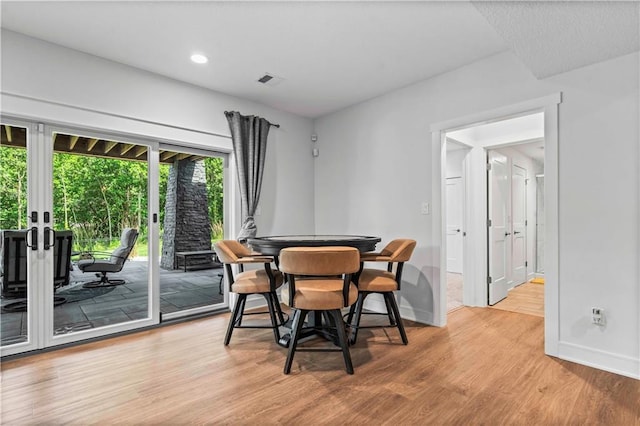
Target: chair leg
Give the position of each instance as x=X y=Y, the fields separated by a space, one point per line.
x=392 y=321
x=355 y=323
x=272 y=314
x=276 y=303
x=352 y=310
x=242 y=302
x=237 y=311
x=298 y=321
x=396 y=314
x=342 y=338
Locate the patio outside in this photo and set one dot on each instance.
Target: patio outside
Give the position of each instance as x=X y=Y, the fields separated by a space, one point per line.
x=97 y=307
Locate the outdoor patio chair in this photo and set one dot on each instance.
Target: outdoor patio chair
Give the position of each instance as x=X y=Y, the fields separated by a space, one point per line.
x=103 y=263
x=14 y=266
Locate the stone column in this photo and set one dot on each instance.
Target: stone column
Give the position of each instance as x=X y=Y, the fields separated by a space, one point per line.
x=186 y=217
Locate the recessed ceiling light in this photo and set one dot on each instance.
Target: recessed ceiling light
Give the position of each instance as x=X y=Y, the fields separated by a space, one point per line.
x=199 y=59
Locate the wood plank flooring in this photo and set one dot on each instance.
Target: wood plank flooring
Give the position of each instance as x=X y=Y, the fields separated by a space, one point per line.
x=486 y=367
x=527 y=298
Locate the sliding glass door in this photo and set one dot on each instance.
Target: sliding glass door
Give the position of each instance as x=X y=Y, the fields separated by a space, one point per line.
x=191 y=192
x=103 y=233
x=77 y=236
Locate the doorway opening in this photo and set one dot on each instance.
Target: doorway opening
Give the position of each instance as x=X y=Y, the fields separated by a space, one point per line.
x=511 y=152
x=475 y=267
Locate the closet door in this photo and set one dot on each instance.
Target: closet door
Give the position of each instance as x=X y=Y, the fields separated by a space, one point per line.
x=499 y=230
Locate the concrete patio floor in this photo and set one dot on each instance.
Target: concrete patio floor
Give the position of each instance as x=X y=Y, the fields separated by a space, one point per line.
x=91 y=308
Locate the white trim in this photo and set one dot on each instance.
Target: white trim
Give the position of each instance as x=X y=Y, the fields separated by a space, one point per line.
x=499 y=114
x=438 y=271
x=602 y=360
x=552 y=232
x=407 y=312
x=153 y=231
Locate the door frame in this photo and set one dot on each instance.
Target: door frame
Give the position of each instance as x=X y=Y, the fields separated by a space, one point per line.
x=476 y=227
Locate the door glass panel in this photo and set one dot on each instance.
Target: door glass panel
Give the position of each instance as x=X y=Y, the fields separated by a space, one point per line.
x=191 y=220
x=100 y=215
x=13 y=230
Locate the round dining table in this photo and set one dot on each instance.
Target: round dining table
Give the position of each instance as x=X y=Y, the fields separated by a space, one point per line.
x=271 y=245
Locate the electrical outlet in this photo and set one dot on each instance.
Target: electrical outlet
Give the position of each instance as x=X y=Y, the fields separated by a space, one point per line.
x=425 y=208
x=597 y=316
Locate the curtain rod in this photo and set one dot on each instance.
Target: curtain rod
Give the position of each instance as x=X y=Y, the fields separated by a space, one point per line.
x=270 y=123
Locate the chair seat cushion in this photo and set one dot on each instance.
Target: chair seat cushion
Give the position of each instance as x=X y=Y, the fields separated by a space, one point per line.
x=319 y=294
x=377 y=280
x=255 y=281
x=91 y=265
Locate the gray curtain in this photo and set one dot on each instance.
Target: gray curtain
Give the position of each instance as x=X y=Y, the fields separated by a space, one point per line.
x=249 y=136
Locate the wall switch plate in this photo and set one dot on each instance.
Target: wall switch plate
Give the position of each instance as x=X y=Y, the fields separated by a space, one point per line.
x=597 y=316
x=425 y=208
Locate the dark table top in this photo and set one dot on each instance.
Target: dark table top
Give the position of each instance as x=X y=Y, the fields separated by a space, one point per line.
x=271 y=245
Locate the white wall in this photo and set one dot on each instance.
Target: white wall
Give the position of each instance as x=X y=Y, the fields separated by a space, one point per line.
x=374 y=171
x=47 y=82
x=454 y=162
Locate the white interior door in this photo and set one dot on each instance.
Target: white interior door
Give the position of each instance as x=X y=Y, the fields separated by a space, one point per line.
x=454 y=225
x=499 y=230
x=519 y=225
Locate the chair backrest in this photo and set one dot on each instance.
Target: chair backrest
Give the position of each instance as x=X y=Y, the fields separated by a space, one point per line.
x=62 y=258
x=229 y=251
x=399 y=250
x=14 y=261
x=322 y=261
x=127 y=241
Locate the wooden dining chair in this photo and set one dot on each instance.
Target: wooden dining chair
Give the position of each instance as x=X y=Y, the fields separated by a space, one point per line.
x=263 y=281
x=384 y=282
x=319 y=281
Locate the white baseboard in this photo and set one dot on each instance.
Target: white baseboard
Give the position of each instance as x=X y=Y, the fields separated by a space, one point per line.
x=406 y=311
x=602 y=360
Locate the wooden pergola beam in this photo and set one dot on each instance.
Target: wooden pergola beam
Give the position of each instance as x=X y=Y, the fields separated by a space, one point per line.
x=125 y=148
x=183 y=156
x=7 y=130
x=167 y=154
x=72 y=142
x=109 y=146
x=92 y=143
x=140 y=150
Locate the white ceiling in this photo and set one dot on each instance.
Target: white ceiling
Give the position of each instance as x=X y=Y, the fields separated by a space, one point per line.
x=329 y=54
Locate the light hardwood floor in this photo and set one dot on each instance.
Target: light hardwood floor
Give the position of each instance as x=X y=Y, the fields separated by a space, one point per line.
x=527 y=298
x=486 y=367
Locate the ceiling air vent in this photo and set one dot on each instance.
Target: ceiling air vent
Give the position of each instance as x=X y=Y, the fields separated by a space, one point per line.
x=270 y=80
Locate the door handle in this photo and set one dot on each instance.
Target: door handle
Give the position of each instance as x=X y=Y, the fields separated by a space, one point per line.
x=34 y=238
x=457 y=230
x=506 y=234
x=47 y=244
x=516 y=232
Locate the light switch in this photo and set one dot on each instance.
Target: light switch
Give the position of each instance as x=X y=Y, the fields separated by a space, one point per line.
x=425 y=208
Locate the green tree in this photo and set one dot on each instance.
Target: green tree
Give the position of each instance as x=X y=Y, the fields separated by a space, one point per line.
x=13 y=188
